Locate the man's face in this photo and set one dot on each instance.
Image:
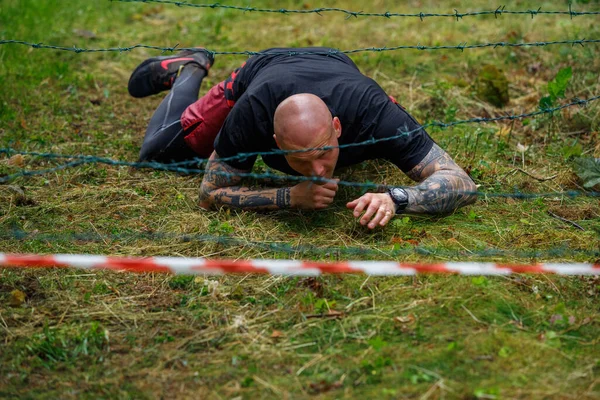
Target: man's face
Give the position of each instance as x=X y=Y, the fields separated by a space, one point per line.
x=319 y=163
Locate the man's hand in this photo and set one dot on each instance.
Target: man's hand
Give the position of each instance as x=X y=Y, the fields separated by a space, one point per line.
x=313 y=196
x=379 y=209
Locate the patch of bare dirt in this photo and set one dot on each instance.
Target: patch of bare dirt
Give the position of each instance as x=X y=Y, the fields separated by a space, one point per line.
x=576 y=212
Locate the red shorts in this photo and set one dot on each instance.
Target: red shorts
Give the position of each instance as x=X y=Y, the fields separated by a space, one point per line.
x=203 y=119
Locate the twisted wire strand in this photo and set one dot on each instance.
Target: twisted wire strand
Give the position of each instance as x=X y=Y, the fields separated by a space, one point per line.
x=499 y=11
x=461 y=46
x=77 y=160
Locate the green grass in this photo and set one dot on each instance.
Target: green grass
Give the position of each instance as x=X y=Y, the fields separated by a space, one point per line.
x=112 y=335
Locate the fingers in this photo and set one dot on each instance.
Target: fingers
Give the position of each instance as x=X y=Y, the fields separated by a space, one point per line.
x=325 y=192
x=311 y=195
x=323 y=199
x=389 y=214
x=359 y=205
x=331 y=185
x=377 y=210
x=323 y=203
x=382 y=217
x=329 y=189
x=371 y=211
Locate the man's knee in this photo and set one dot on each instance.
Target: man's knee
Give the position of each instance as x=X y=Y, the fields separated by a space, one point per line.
x=146 y=154
x=175 y=151
x=153 y=151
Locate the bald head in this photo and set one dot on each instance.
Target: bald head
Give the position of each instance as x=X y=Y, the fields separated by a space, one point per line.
x=302 y=121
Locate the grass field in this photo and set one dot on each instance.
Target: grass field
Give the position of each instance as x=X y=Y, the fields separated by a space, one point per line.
x=73 y=334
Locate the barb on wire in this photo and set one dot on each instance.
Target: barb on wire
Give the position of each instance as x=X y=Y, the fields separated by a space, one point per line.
x=305 y=250
x=460 y=46
x=349 y=13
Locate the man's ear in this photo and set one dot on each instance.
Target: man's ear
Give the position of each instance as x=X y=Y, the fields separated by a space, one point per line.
x=275 y=137
x=337 y=126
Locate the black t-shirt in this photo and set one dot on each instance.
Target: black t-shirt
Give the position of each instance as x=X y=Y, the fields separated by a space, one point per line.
x=365 y=111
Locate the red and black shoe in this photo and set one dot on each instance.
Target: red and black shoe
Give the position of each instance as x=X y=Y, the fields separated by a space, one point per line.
x=158 y=73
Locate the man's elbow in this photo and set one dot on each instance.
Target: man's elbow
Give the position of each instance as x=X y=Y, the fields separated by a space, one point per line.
x=206 y=200
x=470 y=190
x=464 y=187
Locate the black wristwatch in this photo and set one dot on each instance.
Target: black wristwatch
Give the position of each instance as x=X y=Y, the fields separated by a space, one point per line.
x=400 y=198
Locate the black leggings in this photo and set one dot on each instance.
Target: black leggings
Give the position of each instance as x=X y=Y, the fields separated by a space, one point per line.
x=163 y=141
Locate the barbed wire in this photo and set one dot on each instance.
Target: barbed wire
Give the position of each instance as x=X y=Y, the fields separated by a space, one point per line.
x=461 y=46
x=499 y=11
x=178 y=167
x=304 y=250
x=271 y=176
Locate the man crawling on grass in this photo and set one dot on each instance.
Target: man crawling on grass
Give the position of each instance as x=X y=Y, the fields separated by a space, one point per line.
x=294 y=99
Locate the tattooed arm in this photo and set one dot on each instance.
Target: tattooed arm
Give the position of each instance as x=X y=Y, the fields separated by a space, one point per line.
x=221 y=186
x=443 y=188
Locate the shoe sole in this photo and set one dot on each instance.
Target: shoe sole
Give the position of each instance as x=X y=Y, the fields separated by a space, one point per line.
x=154 y=59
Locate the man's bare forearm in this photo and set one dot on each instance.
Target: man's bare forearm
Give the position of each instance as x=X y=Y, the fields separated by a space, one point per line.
x=221 y=186
x=446 y=188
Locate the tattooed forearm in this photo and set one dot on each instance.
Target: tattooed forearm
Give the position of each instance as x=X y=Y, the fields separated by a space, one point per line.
x=441 y=193
x=259 y=199
x=220 y=186
x=444 y=185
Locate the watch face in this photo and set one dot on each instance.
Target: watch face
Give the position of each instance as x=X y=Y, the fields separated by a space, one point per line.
x=399 y=194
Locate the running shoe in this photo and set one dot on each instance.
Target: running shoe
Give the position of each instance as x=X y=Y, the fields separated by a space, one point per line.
x=158 y=73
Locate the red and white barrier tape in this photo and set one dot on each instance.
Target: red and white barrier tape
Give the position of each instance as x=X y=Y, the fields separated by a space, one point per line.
x=199 y=266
